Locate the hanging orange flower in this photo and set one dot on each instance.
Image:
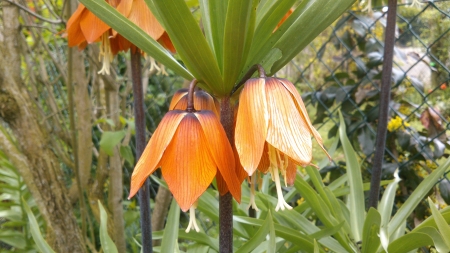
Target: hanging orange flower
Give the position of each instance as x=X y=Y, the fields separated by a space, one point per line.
x=190 y=147
x=84 y=28
x=273 y=130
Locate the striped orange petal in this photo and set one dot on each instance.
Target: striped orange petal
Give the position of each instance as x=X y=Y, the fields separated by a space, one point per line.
x=221 y=150
x=148 y=162
x=93 y=27
x=303 y=112
x=287 y=130
x=187 y=165
x=74 y=34
x=251 y=124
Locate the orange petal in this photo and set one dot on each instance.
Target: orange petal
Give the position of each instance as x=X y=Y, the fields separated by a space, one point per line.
x=177 y=96
x=74 y=34
x=251 y=124
x=204 y=101
x=264 y=164
x=92 y=26
x=148 y=162
x=287 y=131
x=187 y=164
x=304 y=113
x=167 y=43
x=291 y=172
x=221 y=150
x=141 y=15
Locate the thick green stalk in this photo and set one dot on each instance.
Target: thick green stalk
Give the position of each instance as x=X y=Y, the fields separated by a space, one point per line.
x=385 y=95
x=225 y=201
x=139 y=120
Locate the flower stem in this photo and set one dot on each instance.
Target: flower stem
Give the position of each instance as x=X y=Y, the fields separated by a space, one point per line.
x=225 y=201
x=385 y=94
x=190 y=102
x=248 y=75
x=139 y=120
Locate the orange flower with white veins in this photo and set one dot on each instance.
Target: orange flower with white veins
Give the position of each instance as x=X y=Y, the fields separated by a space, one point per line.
x=190 y=147
x=272 y=117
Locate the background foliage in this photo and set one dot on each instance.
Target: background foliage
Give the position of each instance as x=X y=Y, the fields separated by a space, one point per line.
x=339 y=70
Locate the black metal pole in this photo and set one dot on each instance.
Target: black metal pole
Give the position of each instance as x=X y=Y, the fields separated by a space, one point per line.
x=139 y=120
x=385 y=95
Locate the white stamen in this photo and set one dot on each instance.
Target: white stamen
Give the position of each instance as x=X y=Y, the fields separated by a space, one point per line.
x=281 y=202
x=252 y=193
x=274 y=164
x=192 y=220
x=105 y=55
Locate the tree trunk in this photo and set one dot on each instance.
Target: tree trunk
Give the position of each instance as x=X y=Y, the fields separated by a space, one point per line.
x=32 y=156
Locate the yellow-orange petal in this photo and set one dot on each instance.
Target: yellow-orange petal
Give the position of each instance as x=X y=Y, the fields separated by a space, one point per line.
x=221 y=150
x=167 y=43
x=304 y=113
x=92 y=26
x=291 y=172
x=187 y=164
x=141 y=15
x=264 y=163
x=74 y=34
x=177 y=96
x=287 y=130
x=148 y=162
x=251 y=124
x=204 y=101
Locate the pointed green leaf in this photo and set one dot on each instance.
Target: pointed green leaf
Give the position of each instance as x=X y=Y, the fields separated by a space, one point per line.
x=238 y=32
x=258 y=237
x=442 y=225
x=136 y=35
x=356 y=196
x=41 y=244
x=439 y=241
x=110 y=140
x=213 y=20
x=310 y=22
x=170 y=236
x=410 y=242
x=371 y=231
x=108 y=245
x=199 y=238
x=387 y=201
x=417 y=196
x=190 y=43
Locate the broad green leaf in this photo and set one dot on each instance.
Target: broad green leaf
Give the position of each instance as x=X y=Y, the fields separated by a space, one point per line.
x=441 y=223
x=107 y=243
x=371 y=230
x=125 y=152
x=199 y=238
x=258 y=237
x=272 y=245
x=213 y=20
x=438 y=239
x=14 y=238
x=170 y=236
x=356 y=196
x=430 y=221
x=238 y=33
x=191 y=44
x=316 y=247
x=417 y=196
x=41 y=244
x=309 y=22
x=303 y=241
x=327 y=231
x=135 y=34
x=110 y=140
x=410 y=242
x=387 y=201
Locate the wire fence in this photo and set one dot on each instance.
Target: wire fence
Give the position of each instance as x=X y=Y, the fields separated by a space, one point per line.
x=341 y=71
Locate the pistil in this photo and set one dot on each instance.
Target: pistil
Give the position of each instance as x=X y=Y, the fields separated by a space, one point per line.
x=252 y=203
x=277 y=162
x=105 y=55
x=192 y=220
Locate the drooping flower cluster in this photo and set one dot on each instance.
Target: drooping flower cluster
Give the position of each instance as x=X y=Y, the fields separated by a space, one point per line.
x=84 y=28
x=272 y=135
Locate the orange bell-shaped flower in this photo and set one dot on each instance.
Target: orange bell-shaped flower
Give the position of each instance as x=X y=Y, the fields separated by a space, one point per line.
x=273 y=130
x=191 y=148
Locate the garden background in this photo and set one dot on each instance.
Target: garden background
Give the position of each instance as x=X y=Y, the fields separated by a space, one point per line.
x=48 y=128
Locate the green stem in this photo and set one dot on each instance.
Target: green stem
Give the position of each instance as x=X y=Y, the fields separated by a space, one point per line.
x=225 y=201
x=385 y=95
x=139 y=119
